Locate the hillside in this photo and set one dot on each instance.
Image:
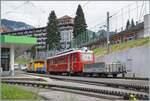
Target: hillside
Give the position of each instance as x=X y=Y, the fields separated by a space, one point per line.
x=15 y=25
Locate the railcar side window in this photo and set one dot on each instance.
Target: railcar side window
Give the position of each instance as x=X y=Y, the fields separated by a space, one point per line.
x=51 y=61
x=60 y=60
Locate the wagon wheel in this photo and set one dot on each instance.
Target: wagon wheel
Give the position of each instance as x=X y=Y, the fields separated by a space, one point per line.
x=103 y=75
x=114 y=75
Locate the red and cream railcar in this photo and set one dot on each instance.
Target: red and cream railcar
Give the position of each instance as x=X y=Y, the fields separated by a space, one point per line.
x=70 y=62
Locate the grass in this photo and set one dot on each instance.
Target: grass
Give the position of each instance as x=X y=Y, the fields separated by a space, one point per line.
x=121 y=46
x=21 y=60
x=11 y=92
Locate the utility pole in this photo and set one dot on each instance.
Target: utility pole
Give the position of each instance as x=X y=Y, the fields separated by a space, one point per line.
x=149 y=29
x=108 y=41
x=149 y=6
x=149 y=18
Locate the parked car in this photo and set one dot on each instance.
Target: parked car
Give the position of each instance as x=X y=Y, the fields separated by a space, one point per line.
x=16 y=66
x=23 y=67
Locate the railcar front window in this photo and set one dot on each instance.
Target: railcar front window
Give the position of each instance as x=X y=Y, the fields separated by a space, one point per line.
x=86 y=57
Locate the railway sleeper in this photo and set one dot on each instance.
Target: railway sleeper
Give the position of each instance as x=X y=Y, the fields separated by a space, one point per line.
x=41 y=86
x=141 y=97
x=46 y=86
x=34 y=85
x=131 y=87
x=31 y=85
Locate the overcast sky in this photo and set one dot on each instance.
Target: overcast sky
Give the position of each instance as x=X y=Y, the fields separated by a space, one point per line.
x=36 y=13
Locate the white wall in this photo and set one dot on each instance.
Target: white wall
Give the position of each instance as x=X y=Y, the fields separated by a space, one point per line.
x=66 y=36
x=140 y=34
x=147 y=25
x=137 y=60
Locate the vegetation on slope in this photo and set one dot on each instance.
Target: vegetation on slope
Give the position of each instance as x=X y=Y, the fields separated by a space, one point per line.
x=121 y=46
x=21 y=60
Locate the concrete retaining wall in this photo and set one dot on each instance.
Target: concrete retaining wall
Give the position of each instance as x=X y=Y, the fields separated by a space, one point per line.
x=136 y=59
x=146 y=25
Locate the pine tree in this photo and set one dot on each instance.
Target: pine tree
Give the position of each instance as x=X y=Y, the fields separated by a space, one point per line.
x=53 y=34
x=79 y=23
x=128 y=24
x=132 y=23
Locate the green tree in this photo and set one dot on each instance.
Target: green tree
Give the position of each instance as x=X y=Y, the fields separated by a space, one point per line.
x=33 y=52
x=79 y=23
x=132 y=23
x=53 y=34
x=128 y=24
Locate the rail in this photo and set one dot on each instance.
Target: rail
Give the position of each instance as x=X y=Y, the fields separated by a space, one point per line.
x=131 y=85
x=87 y=89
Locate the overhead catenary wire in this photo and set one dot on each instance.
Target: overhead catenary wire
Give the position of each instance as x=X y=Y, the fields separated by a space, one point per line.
x=27 y=2
x=141 y=12
x=113 y=15
x=132 y=14
x=86 y=4
x=11 y=11
x=42 y=11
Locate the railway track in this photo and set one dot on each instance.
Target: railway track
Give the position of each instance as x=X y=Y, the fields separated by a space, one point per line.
x=22 y=78
x=112 y=92
x=76 y=84
x=135 y=85
x=34 y=82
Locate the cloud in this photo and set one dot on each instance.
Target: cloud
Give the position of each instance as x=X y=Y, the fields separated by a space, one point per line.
x=36 y=12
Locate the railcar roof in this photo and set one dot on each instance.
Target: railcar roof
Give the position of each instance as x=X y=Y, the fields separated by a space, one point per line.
x=81 y=51
x=39 y=61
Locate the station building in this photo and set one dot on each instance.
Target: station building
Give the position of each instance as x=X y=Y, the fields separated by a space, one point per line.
x=12 y=46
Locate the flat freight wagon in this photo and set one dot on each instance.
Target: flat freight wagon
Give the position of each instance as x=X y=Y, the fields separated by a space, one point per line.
x=102 y=69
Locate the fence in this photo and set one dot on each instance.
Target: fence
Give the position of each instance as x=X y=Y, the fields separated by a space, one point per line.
x=44 y=55
x=86 y=38
x=117 y=21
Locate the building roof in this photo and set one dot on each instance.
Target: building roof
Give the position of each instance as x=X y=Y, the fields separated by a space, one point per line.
x=20 y=43
x=65 y=17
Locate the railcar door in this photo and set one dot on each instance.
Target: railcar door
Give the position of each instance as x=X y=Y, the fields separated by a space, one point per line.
x=70 y=64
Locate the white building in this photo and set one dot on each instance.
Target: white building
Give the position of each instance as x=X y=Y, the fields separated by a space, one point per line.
x=65 y=24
